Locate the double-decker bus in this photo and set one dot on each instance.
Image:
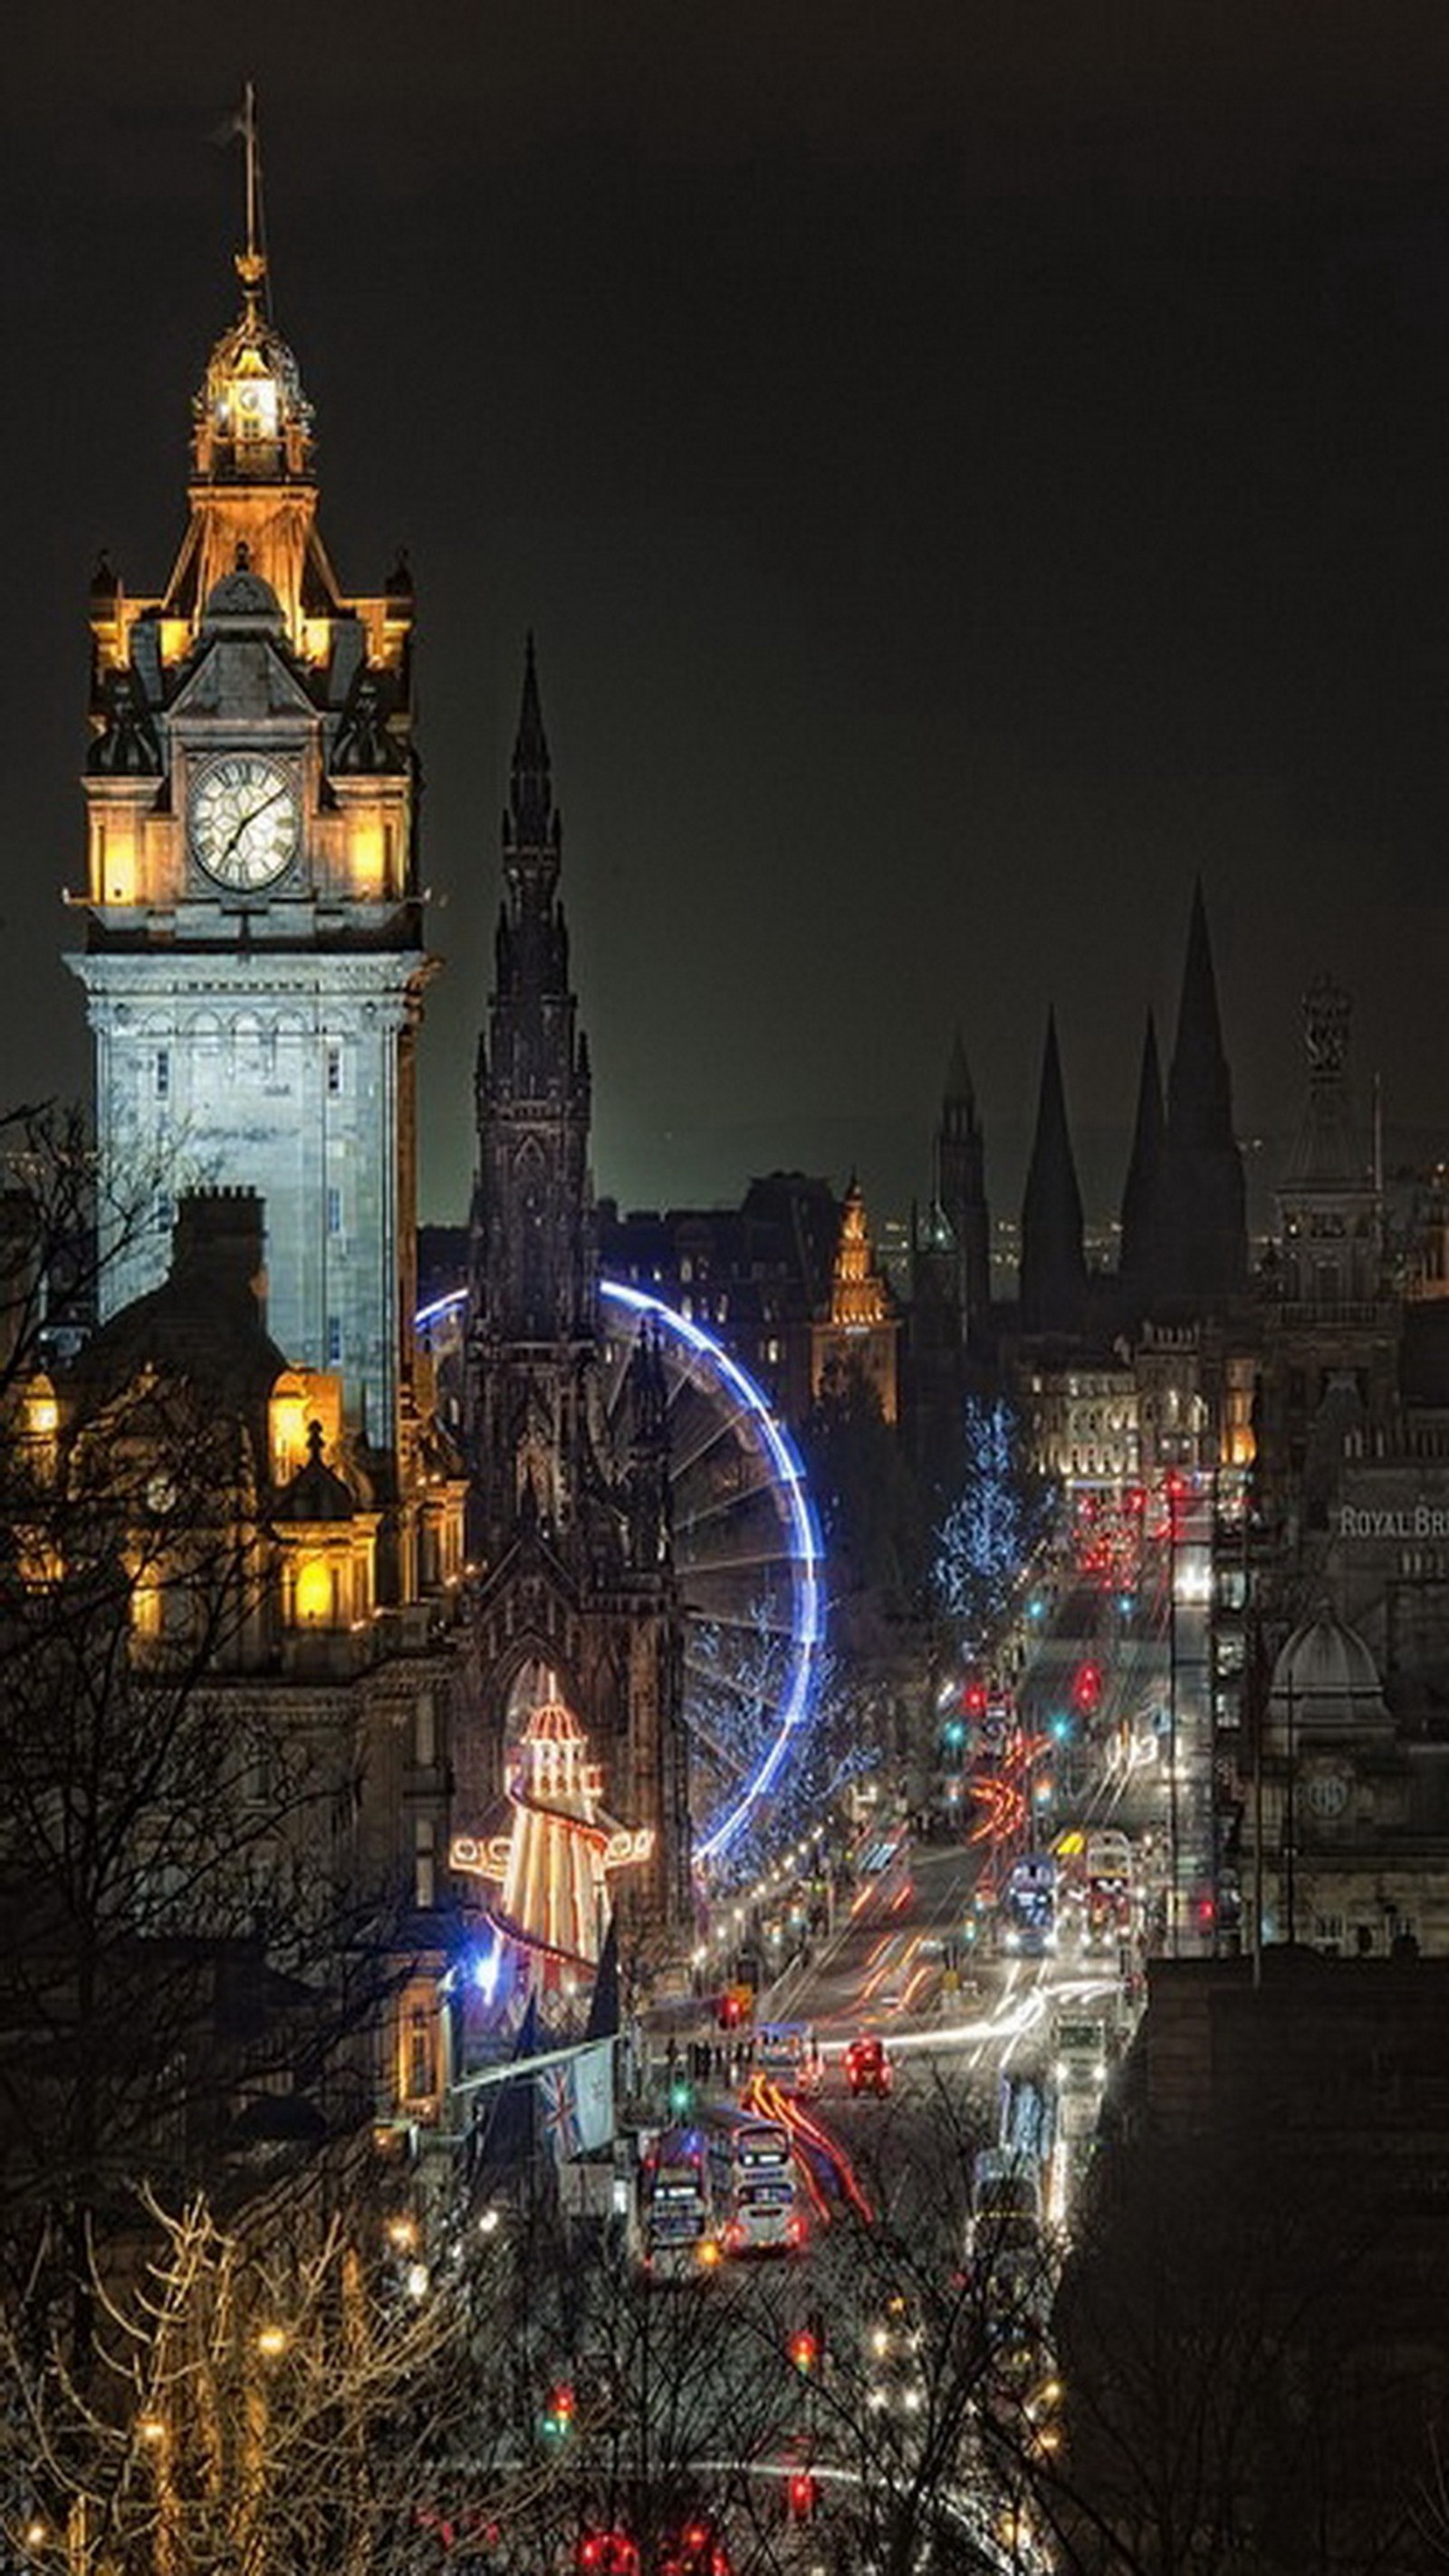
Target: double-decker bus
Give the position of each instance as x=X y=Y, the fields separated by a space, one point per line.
x=1107 y=1903
x=676 y=2225
x=752 y=2185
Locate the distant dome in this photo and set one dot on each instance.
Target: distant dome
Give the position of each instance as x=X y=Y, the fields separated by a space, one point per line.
x=1326 y=1677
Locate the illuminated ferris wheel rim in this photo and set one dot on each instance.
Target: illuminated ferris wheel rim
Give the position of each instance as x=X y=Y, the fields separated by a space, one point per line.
x=807 y=1633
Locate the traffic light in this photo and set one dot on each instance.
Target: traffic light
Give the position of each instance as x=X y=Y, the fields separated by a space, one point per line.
x=697 y=2550
x=558 y=2415
x=803 y=2495
x=681 y=2097
x=805 y=2351
x=1087 y=1688
x=953 y=1733
x=607 y=2553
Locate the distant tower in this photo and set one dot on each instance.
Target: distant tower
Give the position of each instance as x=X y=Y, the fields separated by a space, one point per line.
x=253 y=959
x=1331 y=1322
x=571 y=1511
x=1140 y=1259
x=1206 y=1246
x=960 y=1195
x=1330 y=1211
x=857 y=1335
x=1053 y=1262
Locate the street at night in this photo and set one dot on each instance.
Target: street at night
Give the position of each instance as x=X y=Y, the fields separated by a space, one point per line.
x=724 y=1549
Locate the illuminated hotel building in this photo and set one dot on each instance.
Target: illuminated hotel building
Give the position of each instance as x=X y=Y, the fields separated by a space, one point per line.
x=253 y=958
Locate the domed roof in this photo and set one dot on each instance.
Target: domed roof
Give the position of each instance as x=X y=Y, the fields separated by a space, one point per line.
x=251 y=420
x=316 y=1492
x=243 y=598
x=1325 y=1676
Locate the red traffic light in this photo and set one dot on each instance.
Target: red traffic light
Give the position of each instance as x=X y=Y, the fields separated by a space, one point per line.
x=976 y=1698
x=805 y=2349
x=607 y=2553
x=697 y=2550
x=803 y=2495
x=1087 y=1688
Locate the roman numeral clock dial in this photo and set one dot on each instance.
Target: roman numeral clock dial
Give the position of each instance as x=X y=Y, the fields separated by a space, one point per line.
x=245 y=821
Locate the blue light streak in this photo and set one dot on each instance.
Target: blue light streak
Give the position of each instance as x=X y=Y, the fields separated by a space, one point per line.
x=808 y=1625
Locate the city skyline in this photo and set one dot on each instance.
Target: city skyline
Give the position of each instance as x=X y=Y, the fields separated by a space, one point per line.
x=961 y=492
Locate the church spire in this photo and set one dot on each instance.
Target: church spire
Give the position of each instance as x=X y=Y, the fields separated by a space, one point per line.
x=531 y=822
x=960 y=1194
x=1053 y=1262
x=1139 y=1260
x=1206 y=1196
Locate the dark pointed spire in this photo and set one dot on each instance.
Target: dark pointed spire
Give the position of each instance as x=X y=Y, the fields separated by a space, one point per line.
x=1053 y=1261
x=960 y=1194
x=1205 y=1189
x=960 y=1091
x=1141 y=1257
x=534 y=825
x=1199 y=1091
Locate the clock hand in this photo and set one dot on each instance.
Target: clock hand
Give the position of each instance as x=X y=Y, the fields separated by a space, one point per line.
x=250 y=817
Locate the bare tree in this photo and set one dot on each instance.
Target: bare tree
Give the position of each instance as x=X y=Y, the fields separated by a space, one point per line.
x=183 y=1928
x=261 y=2396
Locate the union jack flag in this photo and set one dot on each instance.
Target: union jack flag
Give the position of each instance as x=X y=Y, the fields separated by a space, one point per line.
x=560 y=2111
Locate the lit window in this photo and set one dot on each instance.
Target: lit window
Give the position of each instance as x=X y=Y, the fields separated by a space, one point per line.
x=314 y=1593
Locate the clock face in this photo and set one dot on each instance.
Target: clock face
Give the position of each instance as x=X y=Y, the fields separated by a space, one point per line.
x=1327 y=1793
x=245 y=820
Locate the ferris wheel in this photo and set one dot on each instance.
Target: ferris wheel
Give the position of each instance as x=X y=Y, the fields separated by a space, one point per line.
x=748 y=1558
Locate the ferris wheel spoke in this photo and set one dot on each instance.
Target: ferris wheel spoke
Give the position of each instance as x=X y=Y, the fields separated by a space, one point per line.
x=726 y=1505
x=712 y=1435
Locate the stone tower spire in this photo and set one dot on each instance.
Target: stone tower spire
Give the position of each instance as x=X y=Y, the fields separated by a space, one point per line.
x=960 y=1193
x=1208 y=1251
x=532 y=1262
x=1140 y=1260
x=1053 y=1262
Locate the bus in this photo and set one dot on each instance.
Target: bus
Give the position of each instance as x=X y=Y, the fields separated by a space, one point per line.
x=1027 y=1914
x=752 y=2185
x=1107 y=1903
x=1006 y=2241
x=676 y=2229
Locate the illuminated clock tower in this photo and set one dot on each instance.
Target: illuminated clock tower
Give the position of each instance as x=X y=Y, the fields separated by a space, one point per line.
x=253 y=959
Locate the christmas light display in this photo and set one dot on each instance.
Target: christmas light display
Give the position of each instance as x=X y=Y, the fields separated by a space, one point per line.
x=554 y=1863
x=990 y=1530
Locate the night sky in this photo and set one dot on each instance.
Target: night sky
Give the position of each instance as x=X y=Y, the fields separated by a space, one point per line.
x=967 y=469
